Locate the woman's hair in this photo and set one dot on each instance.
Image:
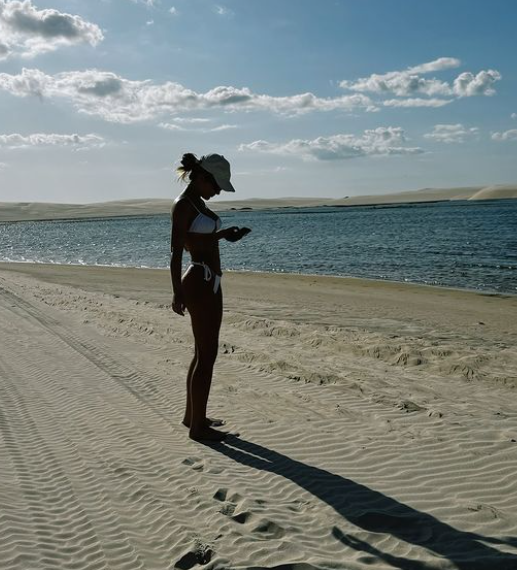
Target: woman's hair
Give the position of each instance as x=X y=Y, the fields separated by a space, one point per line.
x=189 y=165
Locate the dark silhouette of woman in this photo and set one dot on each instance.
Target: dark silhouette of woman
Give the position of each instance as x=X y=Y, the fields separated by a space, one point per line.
x=198 y=229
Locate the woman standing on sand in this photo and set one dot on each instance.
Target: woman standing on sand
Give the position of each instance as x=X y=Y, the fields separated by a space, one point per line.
x=198 y=229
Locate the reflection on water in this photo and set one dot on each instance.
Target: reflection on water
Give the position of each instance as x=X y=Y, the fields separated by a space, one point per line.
x=460 y=244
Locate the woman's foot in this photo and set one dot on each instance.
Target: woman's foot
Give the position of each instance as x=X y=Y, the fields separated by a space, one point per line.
x=210 y=422
x=207 y=434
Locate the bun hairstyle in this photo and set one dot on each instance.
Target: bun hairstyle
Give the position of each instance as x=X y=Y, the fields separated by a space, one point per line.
x=189 y=164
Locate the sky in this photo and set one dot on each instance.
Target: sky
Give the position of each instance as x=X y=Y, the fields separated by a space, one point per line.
x=310 y=98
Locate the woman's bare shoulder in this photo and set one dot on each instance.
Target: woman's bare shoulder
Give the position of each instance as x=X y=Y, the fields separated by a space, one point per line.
x=181 y=206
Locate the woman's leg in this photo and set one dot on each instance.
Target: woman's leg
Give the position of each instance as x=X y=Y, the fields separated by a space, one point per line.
x=188 y=410
x=205 y=311
x=206 y=323
x=214 y=422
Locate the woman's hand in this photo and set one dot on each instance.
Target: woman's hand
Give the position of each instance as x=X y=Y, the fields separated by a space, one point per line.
x=178 y=304
x=235 y=234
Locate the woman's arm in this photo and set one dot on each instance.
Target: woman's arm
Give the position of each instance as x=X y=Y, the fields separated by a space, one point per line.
x=203 y=241
x=178 y=235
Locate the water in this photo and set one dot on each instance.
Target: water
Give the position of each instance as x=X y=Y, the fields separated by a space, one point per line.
x=470 y=245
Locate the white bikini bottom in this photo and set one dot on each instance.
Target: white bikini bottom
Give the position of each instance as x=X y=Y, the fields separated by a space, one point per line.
x=208 y=274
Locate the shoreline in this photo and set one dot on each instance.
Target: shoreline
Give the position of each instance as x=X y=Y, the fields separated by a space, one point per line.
x=334 y=296
x=487 y=292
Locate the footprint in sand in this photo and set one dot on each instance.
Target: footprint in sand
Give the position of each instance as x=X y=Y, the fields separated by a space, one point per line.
x=268 y=529
x=230 y=504
x=230 y=501
x=195 y=463
x=265 y=529
x=223 y=494
x=198 y=554
x=409 y=407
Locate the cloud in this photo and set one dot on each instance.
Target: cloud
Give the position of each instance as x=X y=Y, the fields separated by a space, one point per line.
x=173 y=11
x=416 y=102
x=171 y=127
x=15 y=140
x=27 y=31
x=262 y=171
x=410 y=83
x=3 y=166
x=191 y=120
x=116 y=99
x=437 y=65
x=225 y=127
x=177 y=127
x=382 y=141
x=469 y=85
x=513 y=115
x=223 y=11
x=148 y=3
x=456 y=133
x=400 y=84
x=510 y=135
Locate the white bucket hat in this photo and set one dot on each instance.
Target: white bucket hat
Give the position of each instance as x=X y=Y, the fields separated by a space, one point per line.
x=219 y=168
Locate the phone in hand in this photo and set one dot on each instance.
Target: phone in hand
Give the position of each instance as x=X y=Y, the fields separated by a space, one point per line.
x=237 y=233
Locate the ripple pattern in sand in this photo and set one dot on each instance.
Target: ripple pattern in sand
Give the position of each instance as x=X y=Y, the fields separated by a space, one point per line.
x=97 y=473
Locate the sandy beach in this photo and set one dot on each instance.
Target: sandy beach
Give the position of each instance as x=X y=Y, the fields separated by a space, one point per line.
x=377 y=425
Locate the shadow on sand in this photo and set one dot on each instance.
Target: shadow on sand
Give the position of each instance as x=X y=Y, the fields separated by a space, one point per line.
x=374 y=512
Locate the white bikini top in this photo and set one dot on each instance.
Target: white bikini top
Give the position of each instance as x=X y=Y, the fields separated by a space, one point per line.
x=203 y=224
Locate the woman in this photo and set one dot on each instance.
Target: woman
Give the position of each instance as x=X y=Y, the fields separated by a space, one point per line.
x=198 y=229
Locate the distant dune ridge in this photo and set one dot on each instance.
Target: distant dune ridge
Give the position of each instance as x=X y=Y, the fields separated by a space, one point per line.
x=495 y=192
x=18 y=211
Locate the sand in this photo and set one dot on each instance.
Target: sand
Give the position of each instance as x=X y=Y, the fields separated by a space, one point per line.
x=19 y=211
x=377 y=421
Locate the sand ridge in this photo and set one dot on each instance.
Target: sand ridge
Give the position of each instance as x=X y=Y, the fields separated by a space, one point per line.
x=349 y=456
x=19 y=211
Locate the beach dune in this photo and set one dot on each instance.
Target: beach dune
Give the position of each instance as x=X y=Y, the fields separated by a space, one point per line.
x=377 y=422
x=495 y=193
x=18 y=211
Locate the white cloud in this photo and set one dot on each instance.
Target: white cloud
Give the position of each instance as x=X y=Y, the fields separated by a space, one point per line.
x=437 y=65
x=27 y=31
x=16 y=140
x=121 y=100
x=409 y=83
x=148 y=3
x=513 y=115
x=469 y=85
x=171 y=127
x=3 y=166
x=401 y=84
x=382 y=141
x=191 y=120
x=149 y=22
x=452 y=133
x=177 y=127
x=222 y=11
x=173 y=11
x=416 y=102
x=510 y=135
x=405 y=83
x=262 y=171
x=224 y=128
